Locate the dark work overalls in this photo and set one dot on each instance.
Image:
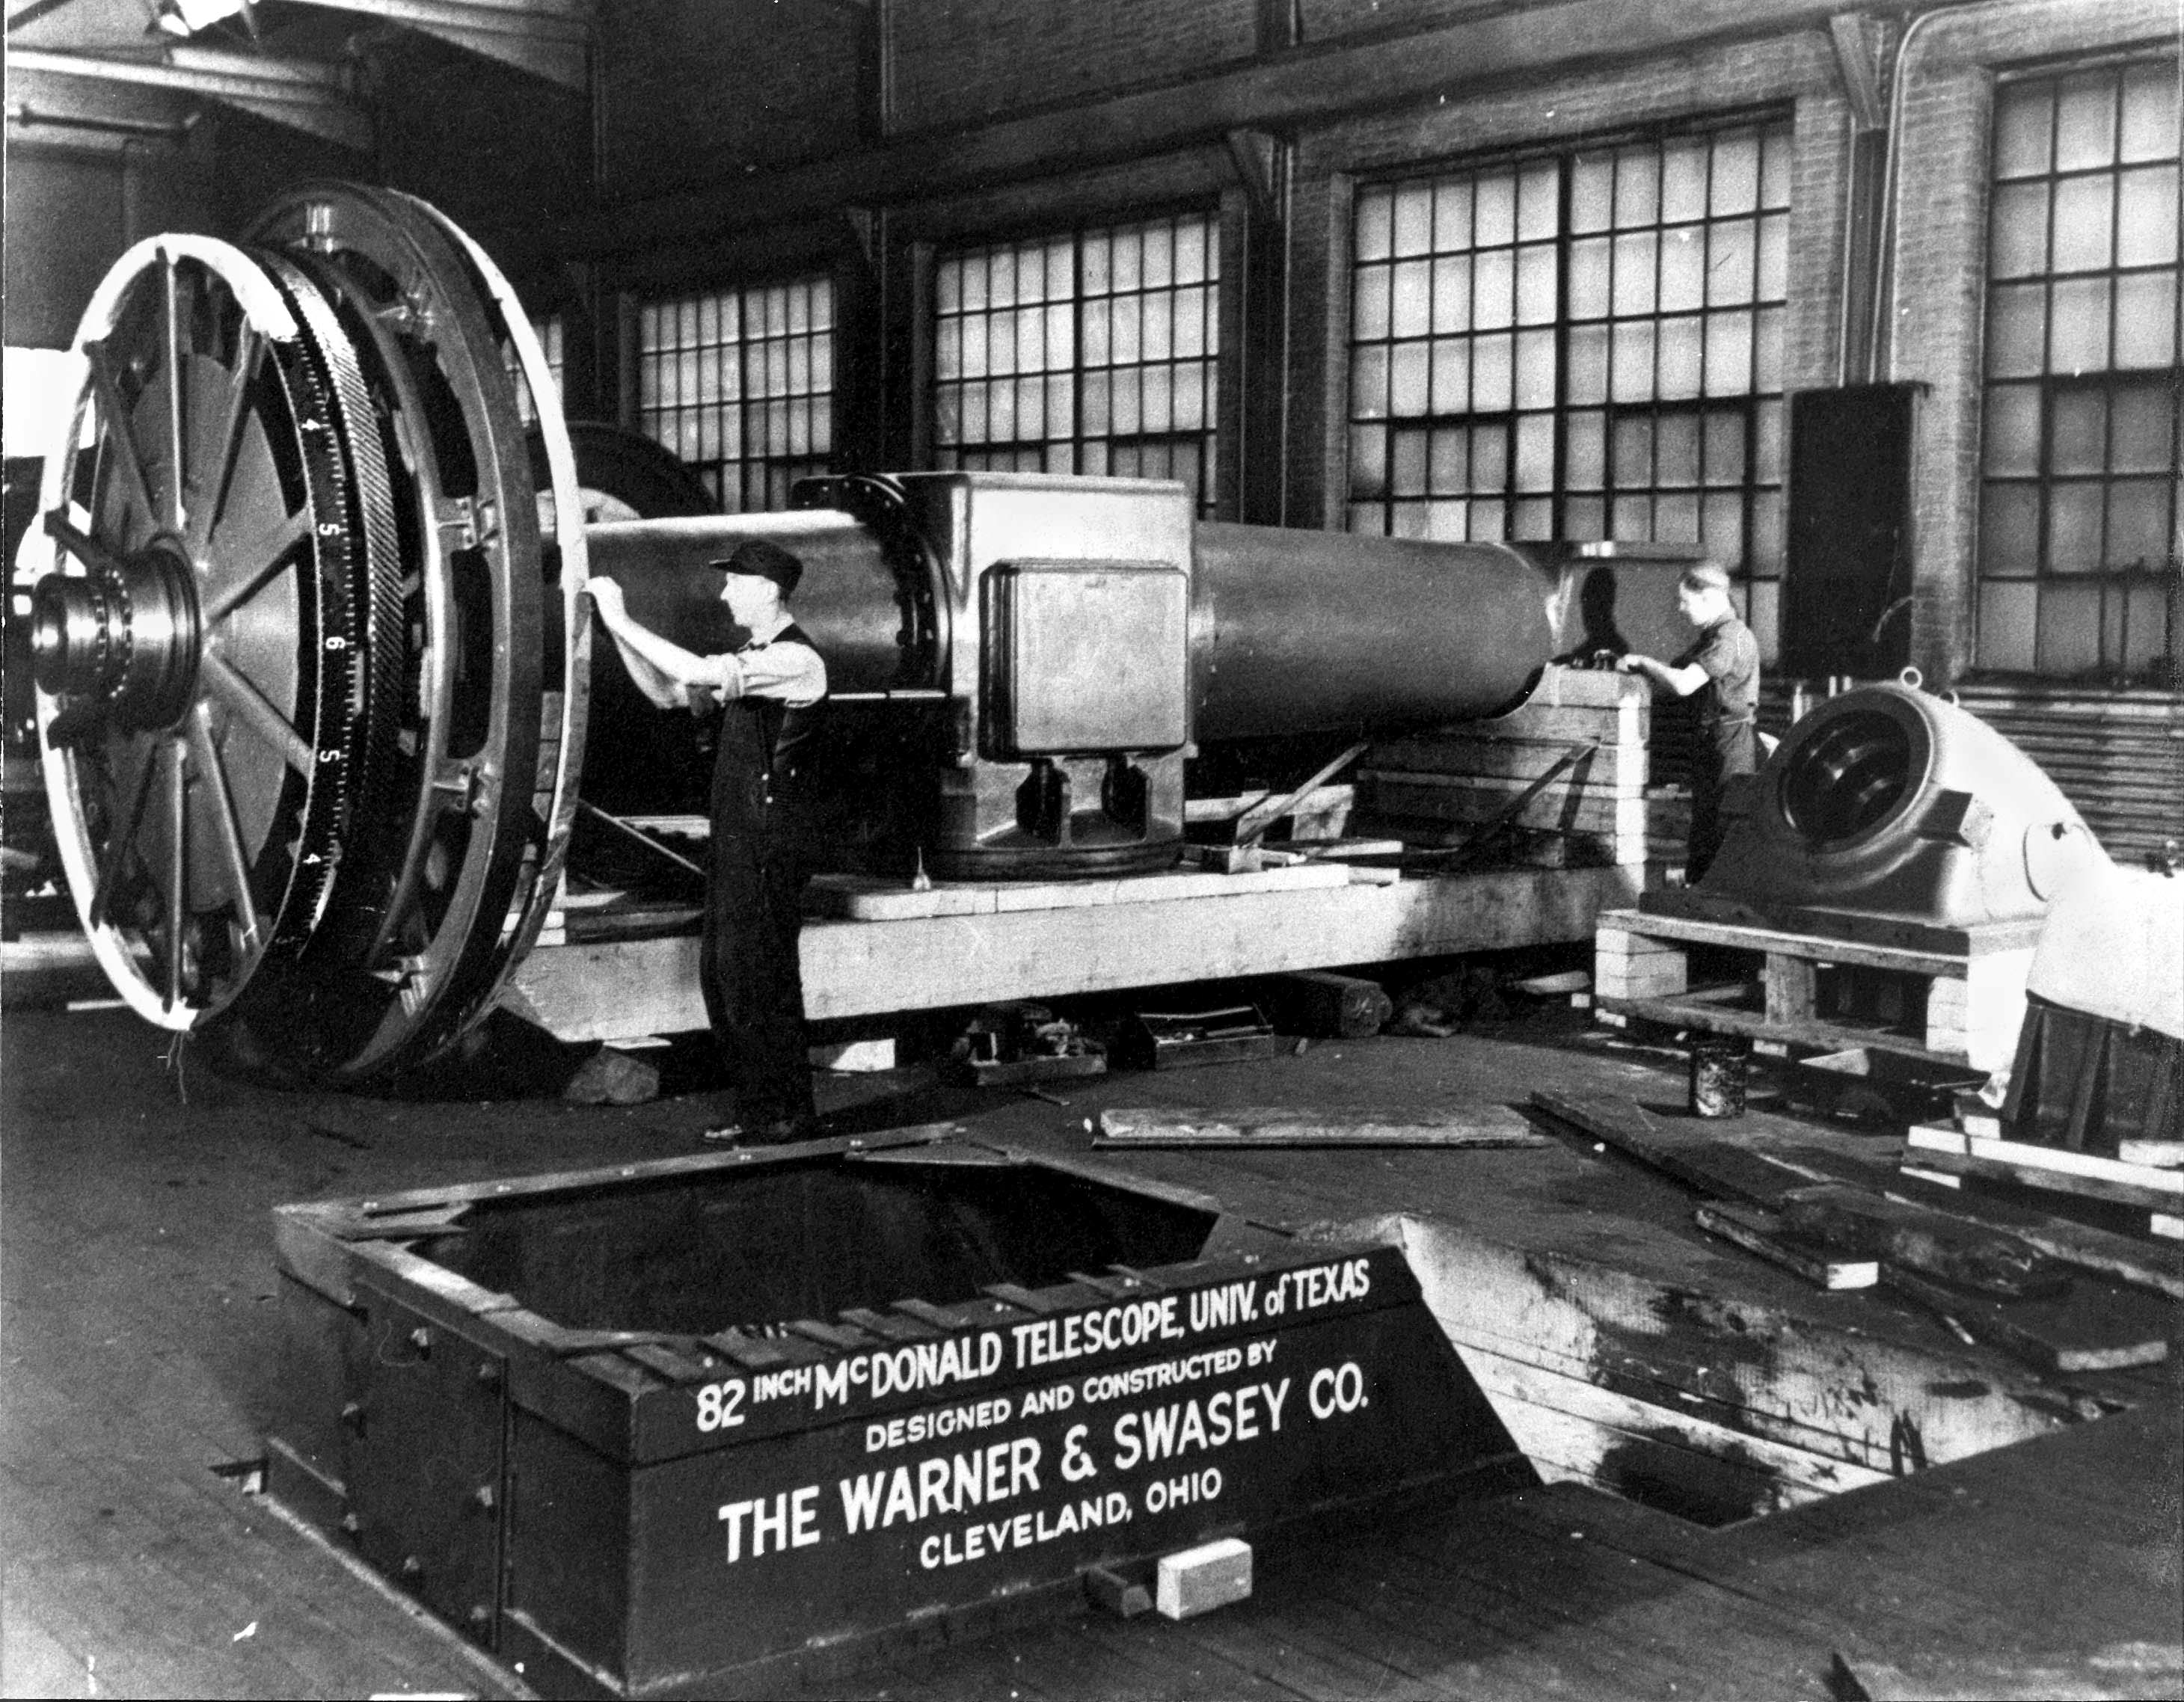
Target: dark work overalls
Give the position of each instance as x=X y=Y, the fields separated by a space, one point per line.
x=754 y=891
x=1728 y=741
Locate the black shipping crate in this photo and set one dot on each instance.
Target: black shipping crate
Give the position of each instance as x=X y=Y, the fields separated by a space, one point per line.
x=664 y=1428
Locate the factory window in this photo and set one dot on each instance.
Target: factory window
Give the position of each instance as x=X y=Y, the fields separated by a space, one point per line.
x=1585 y=345
x=740 y=384
x=1092 y=353
x=548 y=332
x=2078 y=553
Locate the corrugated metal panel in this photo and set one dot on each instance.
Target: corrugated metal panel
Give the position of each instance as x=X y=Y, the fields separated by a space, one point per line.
x=2119 y=755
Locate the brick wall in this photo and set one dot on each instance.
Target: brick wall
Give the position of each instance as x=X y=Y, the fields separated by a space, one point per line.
x=956 y=61
x=695 y=93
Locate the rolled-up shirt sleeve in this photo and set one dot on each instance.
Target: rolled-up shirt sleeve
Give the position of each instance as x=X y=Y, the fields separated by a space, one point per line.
x=794 y=673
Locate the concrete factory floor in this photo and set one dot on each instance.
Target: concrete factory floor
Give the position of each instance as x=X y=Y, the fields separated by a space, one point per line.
x=140 y=1346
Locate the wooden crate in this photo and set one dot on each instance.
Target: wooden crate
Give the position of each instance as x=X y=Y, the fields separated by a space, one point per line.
x=1441 y=788
x=1959 y=1006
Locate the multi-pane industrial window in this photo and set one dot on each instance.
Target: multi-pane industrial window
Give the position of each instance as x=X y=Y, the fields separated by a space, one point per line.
x=1092 y=353
x=549 y=335
x=740 y=384
x=1587 y=345
x=2078 y=527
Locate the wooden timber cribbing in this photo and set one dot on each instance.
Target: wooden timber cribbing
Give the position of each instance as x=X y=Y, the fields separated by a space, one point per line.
x=1446 y=786
x=1956 y=997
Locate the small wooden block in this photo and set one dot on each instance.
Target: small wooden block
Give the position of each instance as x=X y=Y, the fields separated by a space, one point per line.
x=1199 y=1580
x=1123 y=1596
x=1612 y=982
x=855 y=1056
x=1791 y=985
x=1628 y=947
x=1595 y=688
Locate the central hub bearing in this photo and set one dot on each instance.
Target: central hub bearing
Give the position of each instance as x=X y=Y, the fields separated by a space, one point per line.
x=130 y=636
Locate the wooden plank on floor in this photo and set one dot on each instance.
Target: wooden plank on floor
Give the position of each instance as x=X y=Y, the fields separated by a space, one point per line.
x=2088 y=1327
x=156 y=1567
x=2046 y=1555
x=1717 y=1169
x=1267 y=1126
x=1613 y=1626
x=1273 y=1641
x=2144 y=1263
x=2056 y=1168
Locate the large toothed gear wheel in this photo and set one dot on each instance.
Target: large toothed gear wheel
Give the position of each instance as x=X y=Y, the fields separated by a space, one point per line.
x=446 y=887
x=313 y=708
x=197 y=632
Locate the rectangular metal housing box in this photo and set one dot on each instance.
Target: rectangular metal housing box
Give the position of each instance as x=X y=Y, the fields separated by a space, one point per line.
x=673 y=1428
x=1087 y=656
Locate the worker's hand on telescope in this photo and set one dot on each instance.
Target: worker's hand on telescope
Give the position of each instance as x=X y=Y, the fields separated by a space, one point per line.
x=606 y=598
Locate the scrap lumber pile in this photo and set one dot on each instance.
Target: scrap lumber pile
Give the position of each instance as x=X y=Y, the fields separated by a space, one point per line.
x=1585 y=734
x=2060 y=1295
x=2143 y=1177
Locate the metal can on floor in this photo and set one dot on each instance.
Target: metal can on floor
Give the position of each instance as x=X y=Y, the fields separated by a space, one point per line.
x=1719 y=1063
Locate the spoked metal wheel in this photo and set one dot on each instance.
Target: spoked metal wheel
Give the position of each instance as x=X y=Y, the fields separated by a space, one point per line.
x=313 y=679
x=447 y=884
x=198 y=633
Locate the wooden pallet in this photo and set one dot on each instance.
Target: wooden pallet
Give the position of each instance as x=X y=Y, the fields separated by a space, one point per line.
x=1826 y=992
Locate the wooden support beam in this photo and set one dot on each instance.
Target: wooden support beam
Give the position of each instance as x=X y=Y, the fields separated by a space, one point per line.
x=311 y=97
x=624 y=989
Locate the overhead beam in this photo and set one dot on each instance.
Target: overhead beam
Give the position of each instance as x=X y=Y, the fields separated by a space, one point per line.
x=41 y=110
x=1305 y=85
x=312 y=98
x=549 y=38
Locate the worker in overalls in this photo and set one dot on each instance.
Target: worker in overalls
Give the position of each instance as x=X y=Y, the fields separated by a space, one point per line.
x=1723 y=666
x=770 y=690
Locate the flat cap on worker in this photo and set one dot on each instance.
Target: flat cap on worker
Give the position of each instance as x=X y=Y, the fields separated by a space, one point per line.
x=759 y=559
